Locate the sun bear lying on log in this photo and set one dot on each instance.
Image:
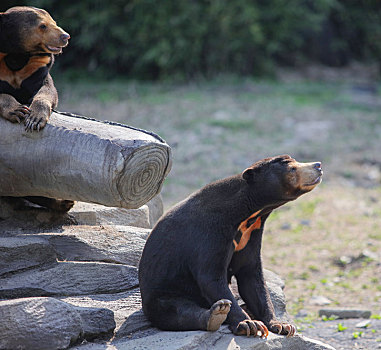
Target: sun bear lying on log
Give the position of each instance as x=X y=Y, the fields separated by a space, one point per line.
x=29 y=38
x=214 y=234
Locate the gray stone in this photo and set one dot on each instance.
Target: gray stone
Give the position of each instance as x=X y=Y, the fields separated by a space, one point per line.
x=126 y=307
x=276 y=285
x=95 y=214
x=70 y=278
x=273 y=278
x=286 y=226
x=38 y=324
x=18 y=253
x=320 y=300
x=96 y=322
x=302 y=313
x=156 y=209
x=363 y=324
x=222 y=339
x=345 y=313
x=116 y=244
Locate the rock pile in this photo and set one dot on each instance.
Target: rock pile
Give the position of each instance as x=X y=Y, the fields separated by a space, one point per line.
x=72 y=282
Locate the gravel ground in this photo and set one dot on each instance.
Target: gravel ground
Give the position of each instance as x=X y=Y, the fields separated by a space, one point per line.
x=368 y=338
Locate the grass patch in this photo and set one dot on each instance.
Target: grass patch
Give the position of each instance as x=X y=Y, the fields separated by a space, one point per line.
x=341 y=327
x=233 y=125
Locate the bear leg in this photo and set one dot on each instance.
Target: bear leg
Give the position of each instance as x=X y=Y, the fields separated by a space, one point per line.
x=59 y=205
x=180 y=314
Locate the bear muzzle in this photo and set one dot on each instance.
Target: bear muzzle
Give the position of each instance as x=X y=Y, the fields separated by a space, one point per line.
x=310 y=174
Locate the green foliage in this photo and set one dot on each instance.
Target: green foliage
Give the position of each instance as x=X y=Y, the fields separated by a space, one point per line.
x=356 y=335
x=183 y=39
x=330 y=318
x=341 y=328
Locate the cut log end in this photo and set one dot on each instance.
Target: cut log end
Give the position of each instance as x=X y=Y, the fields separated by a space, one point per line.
x=148 y=168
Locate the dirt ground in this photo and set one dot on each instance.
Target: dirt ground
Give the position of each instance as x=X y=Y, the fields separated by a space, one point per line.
x=325 y=244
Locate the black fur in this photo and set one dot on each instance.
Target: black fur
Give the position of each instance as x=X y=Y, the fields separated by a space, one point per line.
x=189 y=258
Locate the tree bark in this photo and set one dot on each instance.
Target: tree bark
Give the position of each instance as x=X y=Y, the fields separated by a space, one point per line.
x=78 y=158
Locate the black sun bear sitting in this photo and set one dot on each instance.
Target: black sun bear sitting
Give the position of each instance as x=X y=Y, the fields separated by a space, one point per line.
x=214 y=234
x=29 y=37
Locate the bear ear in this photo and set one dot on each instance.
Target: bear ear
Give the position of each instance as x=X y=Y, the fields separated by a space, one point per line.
x=249 y=174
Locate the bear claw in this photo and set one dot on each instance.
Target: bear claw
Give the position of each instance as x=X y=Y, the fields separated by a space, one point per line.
x=283 y=329
x=252 y=327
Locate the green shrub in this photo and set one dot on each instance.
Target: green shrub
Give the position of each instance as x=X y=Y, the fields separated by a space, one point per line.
x=150 y=39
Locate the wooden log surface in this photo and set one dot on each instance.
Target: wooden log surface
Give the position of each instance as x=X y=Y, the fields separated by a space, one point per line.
x=79 y=158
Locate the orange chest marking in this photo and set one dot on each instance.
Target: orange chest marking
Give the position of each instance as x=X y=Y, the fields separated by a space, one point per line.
x=246 y=230
x=15 y=78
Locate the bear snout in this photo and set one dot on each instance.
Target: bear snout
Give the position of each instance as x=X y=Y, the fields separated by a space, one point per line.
x=65 y=38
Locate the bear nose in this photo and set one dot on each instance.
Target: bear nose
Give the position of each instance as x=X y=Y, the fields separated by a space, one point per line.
x=317 y=165
x=65 y=37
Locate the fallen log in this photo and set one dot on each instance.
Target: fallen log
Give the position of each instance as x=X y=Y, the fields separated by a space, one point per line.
x=79 y=158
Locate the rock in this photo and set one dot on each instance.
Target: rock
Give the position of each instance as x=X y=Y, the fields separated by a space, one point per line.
x=276 y=286
x=320 y=300
x=367 y=254
x=38 y=324
x=156 y=209
x=343 y=261
x=363 y=324
x=96 y=322
x=222 y=339
x=345 y=313
x=302 y=313
x=273 y=278
x=126 y=307
x=115 y=244
x=95 y=214
x=70 y=278
x=18 y=253
x=286 y=226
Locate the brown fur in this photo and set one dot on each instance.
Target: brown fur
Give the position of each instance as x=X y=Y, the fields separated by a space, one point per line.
x=29 y=38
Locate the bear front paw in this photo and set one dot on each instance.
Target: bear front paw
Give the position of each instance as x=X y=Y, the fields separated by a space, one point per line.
x=15 y=112
x=282 y=328
x=251 y=327
x=38 y=117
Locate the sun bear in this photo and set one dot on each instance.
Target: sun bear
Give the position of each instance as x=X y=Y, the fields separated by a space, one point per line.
x=29 y=39
x=214 y=234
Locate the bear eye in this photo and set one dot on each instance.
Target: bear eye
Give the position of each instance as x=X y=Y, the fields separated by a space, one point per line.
x=43 y=26
x=293 y=169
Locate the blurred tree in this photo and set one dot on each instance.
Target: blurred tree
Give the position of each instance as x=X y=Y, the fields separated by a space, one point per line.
x=150 y=39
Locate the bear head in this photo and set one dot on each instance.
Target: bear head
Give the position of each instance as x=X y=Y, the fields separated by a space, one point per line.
x=30 y=30
x=282 y=178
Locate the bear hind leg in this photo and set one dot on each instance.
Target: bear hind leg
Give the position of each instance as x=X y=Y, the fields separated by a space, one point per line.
x=180 y=314
x=59 y=205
